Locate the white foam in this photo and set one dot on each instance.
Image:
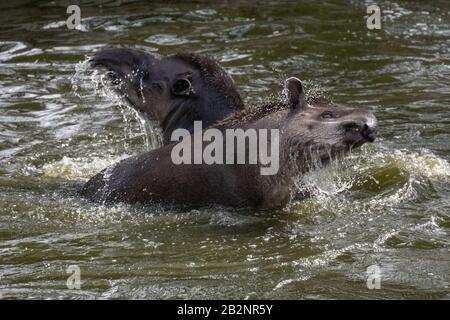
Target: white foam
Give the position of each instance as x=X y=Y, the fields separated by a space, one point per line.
x=327 y=184
x=78 y=168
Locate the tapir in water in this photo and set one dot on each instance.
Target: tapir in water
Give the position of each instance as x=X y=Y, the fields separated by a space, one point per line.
x=174 y=91
x=310 y=129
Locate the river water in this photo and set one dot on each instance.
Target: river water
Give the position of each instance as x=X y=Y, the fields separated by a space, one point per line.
x=384 y=208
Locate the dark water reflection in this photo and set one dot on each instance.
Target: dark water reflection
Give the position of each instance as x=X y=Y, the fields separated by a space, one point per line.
x=386 y=205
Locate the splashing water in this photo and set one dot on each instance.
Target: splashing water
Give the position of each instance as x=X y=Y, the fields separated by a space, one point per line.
x=86 y=78
x=78 y=168
x=389 y=176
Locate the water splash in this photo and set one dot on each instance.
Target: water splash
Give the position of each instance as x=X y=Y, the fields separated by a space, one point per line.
x=78 y=168
x=388 y=177
x=85 y=79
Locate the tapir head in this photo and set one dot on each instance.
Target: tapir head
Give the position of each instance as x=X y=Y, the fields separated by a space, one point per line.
x=322 y=126
x=175 y=91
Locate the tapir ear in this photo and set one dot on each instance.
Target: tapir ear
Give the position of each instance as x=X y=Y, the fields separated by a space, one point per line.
x=182 y=87
x=295 y=93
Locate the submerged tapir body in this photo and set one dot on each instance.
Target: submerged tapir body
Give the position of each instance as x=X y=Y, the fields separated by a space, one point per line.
x=308 y=128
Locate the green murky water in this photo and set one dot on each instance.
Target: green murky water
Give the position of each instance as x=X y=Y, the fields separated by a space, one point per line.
x=387 y=205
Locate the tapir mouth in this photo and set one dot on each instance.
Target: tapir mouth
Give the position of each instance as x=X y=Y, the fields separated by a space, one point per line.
x=361 y=142
x=128 y=71
x=356 y=136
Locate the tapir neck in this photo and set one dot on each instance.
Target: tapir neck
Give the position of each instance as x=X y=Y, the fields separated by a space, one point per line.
x=209 y=110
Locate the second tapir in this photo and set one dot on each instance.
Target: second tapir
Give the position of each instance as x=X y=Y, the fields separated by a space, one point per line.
x=175 y=90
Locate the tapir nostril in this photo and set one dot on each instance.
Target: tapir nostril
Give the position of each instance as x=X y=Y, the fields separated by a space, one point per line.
x=364 y=128
x=369 y=133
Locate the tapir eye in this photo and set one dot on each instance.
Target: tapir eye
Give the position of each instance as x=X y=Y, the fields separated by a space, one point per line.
x=328 y=115
x=181 y=87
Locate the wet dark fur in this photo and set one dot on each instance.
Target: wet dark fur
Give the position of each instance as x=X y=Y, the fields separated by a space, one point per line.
x=272 y=105
x=213 y=98
x=153 y=176
x=214 y=75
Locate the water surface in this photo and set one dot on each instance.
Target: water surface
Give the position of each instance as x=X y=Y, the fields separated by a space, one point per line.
x=386 y=205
